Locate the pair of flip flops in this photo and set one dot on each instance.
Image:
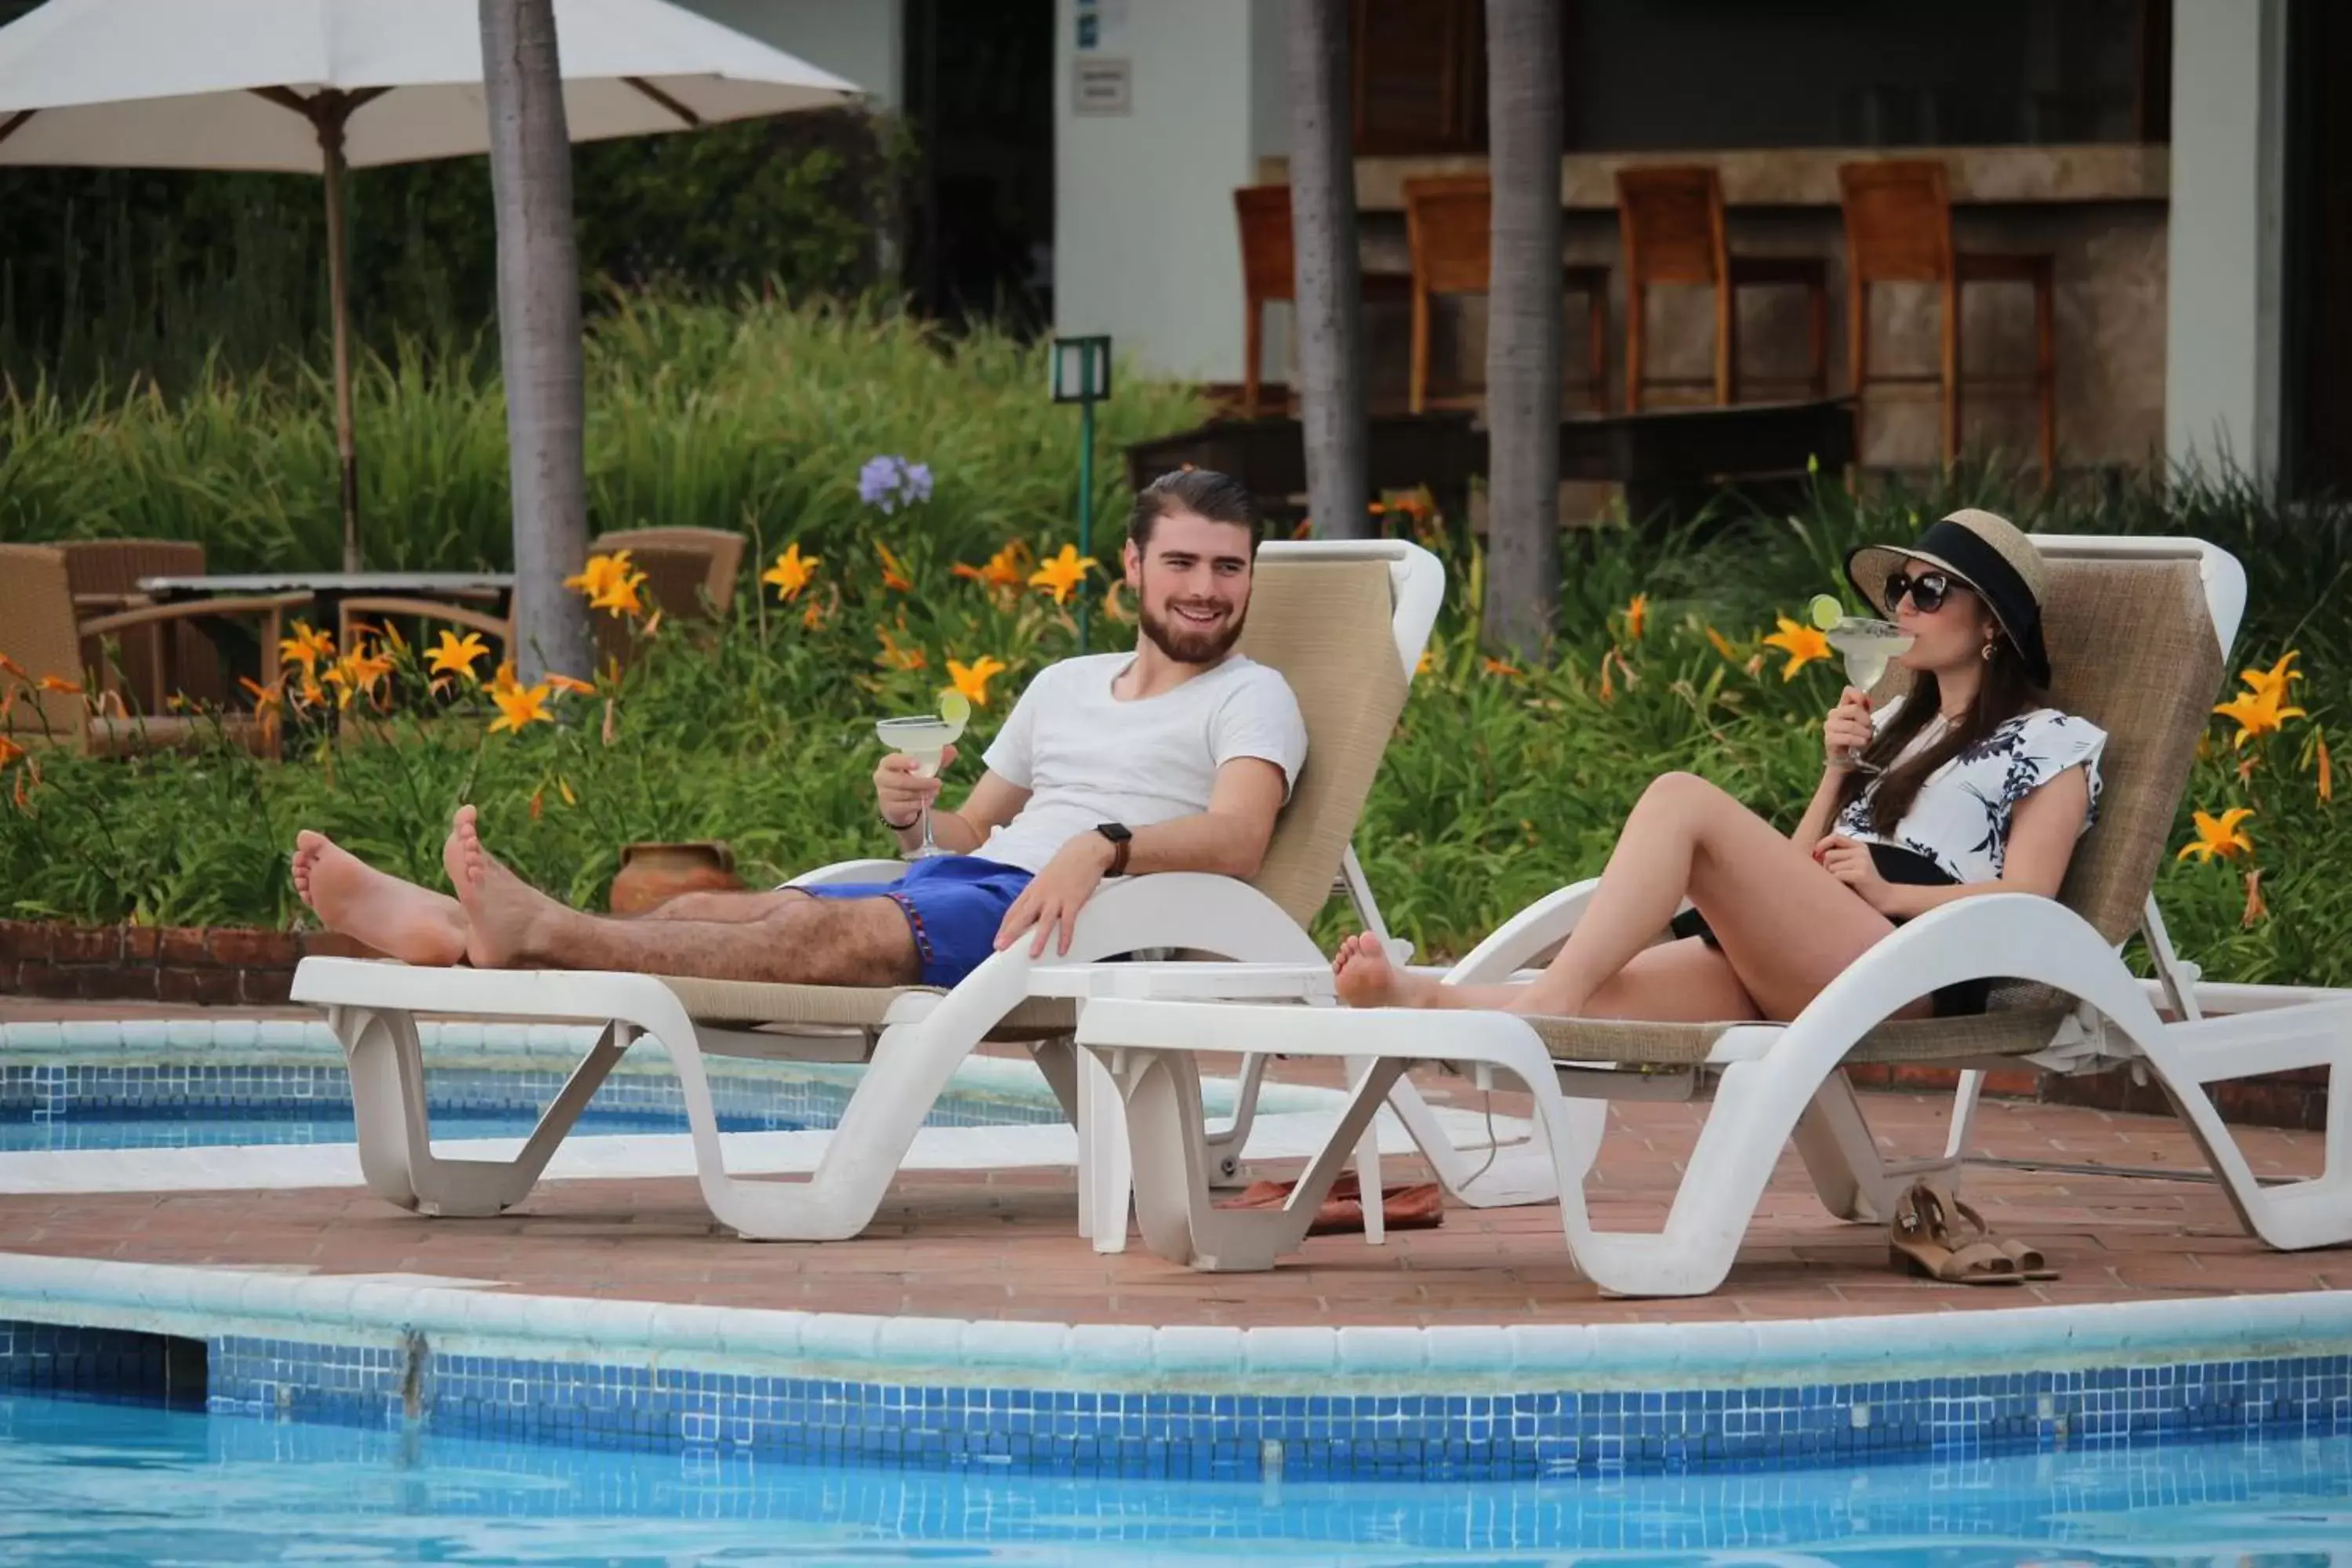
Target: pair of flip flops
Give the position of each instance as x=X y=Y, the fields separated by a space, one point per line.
x=1415 y=1207
x=1935 y=1235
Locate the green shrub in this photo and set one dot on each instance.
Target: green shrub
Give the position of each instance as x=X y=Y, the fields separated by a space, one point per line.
x=1499 y=787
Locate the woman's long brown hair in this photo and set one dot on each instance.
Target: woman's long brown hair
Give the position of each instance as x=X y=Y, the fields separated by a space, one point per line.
x=2003 y=692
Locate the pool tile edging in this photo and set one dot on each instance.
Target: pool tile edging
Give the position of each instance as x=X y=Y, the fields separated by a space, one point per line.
x=1811 y=1351
x=1361 y=1402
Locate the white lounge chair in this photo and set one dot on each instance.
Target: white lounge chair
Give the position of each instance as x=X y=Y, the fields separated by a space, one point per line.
x=1345 y=621
x=2137 y=629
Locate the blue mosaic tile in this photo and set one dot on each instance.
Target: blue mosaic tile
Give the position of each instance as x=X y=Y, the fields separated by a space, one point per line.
x=1161 y=1434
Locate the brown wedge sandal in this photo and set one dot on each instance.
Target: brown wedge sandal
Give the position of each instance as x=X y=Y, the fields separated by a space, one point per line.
x=1920 y=1239
x=2030 y=1263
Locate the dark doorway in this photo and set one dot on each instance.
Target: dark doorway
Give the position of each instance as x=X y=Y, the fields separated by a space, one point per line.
x=980 y=97
x=2317 y=328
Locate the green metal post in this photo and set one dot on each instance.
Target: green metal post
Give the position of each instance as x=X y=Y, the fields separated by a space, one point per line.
x=1085 y=504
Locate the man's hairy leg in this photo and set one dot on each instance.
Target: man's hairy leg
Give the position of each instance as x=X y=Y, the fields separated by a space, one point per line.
x=797 y=941
x=722 y=908
x=803 y=941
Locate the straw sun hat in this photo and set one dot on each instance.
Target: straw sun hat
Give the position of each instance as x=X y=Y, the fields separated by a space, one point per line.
x=1985 y=553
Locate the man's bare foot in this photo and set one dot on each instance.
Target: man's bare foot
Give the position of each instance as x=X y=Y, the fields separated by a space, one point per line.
x=509 y=923
x=414 y=924
x=1362 y=975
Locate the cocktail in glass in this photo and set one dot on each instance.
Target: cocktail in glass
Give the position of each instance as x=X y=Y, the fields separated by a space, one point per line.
x=1868 y=647
x=926 y=739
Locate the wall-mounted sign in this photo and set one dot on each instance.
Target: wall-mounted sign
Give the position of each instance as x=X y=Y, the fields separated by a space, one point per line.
x=1102 y=86
x=1102 y=26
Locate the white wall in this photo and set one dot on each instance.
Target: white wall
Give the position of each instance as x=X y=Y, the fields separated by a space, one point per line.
x=2222 y=370
x=862 y=40
x=1144 y=244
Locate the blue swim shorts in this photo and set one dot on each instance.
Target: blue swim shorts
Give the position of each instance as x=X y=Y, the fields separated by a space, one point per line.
x=954 y=905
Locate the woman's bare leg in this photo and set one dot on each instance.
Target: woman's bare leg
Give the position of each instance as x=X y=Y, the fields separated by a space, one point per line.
x=1684 y=982
x=1787 y=926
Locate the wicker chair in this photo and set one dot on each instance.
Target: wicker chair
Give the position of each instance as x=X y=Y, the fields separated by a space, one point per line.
x=42 y=635
x=105 y=576
x=686 y=569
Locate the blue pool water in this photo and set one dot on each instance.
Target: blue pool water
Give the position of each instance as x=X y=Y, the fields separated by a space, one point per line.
x=87 y=1106
x=92 y=1484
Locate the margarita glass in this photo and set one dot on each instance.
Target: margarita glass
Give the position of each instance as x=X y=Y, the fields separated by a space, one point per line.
x=1866 y=645
x=925 y=738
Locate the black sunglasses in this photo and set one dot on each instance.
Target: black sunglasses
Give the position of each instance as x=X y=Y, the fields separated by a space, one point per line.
x=1928 y=591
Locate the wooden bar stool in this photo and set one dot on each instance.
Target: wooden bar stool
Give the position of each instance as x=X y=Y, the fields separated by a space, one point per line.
x=1898 y=229
x=1449 y=222
x=1671 y=221
x=1270 y=272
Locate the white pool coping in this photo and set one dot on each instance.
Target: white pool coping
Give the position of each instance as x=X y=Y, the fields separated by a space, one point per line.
x=207 y=1302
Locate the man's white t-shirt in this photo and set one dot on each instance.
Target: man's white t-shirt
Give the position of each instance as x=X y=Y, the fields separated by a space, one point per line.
x=1085 y=757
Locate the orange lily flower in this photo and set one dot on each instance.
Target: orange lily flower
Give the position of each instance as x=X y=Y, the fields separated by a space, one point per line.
x=894 y=656
x=972 y=678
x=518 y=706
x=1803 y=644
x=58 y=683
x=568 y=683
x=894 y=571
x=455 y=655
x=1061 y=574
x=601 y=573
x=791 y=574
x=2220 y=835
x=306 y=648
x=2259 y=713
x=1637 y=617
x=1007 y=569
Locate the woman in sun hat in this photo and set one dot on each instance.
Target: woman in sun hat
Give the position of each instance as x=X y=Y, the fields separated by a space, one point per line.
x=1979 y=788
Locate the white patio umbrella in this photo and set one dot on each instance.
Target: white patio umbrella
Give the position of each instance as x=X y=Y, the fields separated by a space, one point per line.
x=318 y=85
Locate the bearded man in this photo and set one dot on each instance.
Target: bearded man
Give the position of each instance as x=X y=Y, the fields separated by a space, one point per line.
x=1176 y=756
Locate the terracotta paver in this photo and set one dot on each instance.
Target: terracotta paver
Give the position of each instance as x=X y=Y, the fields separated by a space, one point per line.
x=1002 y=1245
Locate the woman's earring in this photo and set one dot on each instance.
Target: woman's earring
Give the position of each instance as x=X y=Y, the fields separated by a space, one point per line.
x=1989 y=651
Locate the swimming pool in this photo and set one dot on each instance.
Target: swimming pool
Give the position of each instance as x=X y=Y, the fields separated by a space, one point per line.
x=89 y=1483
x=87 y=1105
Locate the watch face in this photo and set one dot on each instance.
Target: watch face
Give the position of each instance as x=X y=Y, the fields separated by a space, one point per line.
x=1115 y=832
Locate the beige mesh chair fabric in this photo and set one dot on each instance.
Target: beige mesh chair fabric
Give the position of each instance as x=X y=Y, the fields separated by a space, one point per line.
x=2021 y=1020
x=2132 y=646
x=1327 y=627
x=845 y=1007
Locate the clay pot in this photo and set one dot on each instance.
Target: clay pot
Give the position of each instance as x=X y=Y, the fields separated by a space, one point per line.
x=653 y=873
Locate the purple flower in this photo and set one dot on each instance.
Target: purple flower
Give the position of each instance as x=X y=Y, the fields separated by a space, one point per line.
x=889 y=482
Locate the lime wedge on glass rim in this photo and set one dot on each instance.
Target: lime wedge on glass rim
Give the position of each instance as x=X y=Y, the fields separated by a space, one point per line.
x=955 y=707
x=1826 y=611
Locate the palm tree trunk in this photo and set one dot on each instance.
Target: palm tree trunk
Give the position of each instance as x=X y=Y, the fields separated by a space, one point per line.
x=1328 y=286
x=539 y=332
x=1523 y=325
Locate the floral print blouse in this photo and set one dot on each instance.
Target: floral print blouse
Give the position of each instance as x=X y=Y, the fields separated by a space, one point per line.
x=1961 y=816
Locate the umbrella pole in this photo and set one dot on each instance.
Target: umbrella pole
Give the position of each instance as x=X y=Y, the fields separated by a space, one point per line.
x=330 y=144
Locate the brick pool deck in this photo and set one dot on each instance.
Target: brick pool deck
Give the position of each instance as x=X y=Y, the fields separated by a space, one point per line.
x=1002 y=1245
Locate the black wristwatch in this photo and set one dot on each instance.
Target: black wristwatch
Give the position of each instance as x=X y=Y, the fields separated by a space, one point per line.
x=1121 y=840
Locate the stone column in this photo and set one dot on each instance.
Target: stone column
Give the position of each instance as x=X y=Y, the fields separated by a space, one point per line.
x=2224 y=367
